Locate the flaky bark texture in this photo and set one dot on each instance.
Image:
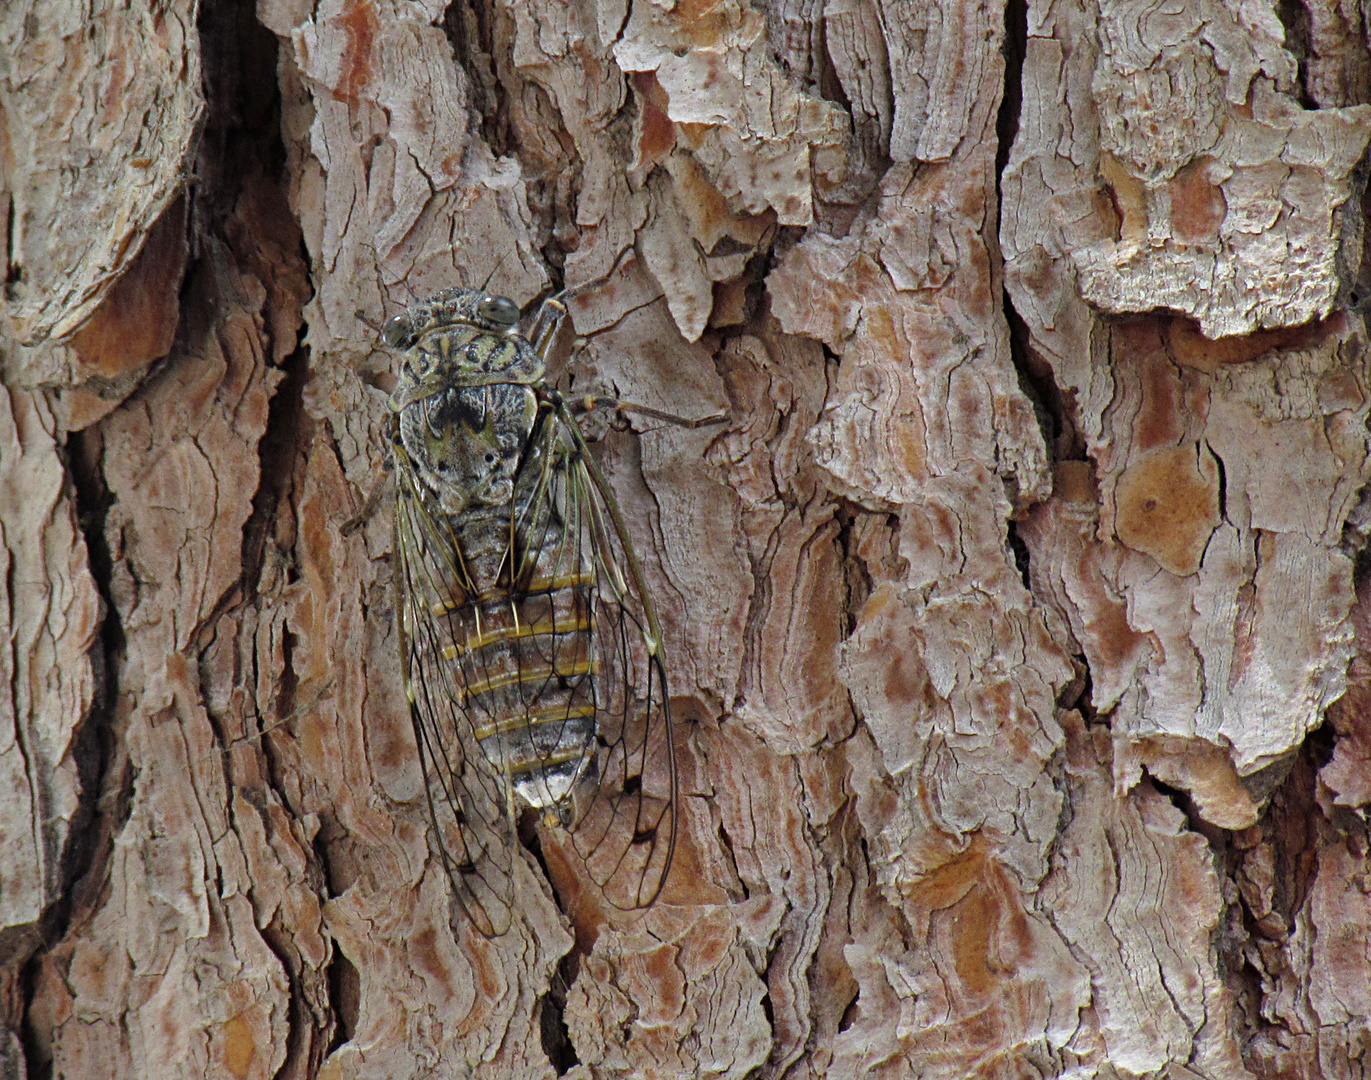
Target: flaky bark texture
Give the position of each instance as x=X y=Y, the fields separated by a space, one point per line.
x=1019 y=657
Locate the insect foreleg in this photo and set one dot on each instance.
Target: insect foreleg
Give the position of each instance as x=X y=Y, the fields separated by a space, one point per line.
x=591 y=402
x=546 y=324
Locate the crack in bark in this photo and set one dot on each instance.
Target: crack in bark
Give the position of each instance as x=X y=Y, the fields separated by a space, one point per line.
x=556 y=1039
x=344 y=991
x=1013 y=48
x=1356 y=273
x=1295 y=17
x=106 y=789
x=507 y=107
x=13 y=271
x=242 y=158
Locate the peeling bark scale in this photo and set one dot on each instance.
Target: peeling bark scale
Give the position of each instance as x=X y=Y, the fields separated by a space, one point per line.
x=1017 y=632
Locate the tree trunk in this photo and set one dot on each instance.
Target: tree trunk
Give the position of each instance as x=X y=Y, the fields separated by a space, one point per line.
x=1016 y=645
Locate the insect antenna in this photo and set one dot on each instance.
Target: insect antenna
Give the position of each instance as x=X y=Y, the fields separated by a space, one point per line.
x=493 y=271
x=227 y=746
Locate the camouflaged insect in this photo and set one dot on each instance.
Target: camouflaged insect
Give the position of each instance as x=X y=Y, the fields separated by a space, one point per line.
x=532 y=655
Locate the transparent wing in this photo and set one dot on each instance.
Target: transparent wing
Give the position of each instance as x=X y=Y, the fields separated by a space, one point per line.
x=468 y=797
x=620 y=824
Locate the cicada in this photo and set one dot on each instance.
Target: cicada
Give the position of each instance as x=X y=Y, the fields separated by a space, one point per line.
x=532 y=655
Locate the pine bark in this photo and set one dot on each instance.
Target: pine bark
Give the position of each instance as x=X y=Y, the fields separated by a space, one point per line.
x=1015 y=620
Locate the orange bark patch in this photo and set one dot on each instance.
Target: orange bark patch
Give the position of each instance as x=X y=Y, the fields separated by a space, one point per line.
x=485 y=979
x=730 y=302
x=1075 y=482
x=973 y=923
x=693 y=134
x=660 y=969
x=360 y=25
x=1115 y=641
x=656 y=132
x=1168 y=505
x=708 y=209
x=585 y=908
x=423 y=953
x=1197 y=205
x=1207 y=772
x=1130 y=200
x=702 y=21
x=239 y=1046
x=987 y=933
x=1190 y=347
x=950 y=882
x=1139 y=344
x=136 y=322
x=1339 y=391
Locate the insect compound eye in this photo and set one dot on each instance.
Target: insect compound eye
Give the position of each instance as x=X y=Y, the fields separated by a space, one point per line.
x=500 y=310
x=396 y=332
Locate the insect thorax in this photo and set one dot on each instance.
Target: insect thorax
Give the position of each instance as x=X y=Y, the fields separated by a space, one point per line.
x=468 y=445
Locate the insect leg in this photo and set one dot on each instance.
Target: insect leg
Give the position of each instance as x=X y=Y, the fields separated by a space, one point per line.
x=546 y=324
x=591 y=402
x=373 y=501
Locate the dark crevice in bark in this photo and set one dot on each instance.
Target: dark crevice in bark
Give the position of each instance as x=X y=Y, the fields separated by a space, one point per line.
x=1223 y=481
x=1036 y=378
x=243 y=150
x=757 y=609
x=857 y=583
x=1014 y=49
x=1039 y=385
x=1079 y=693
x=470 y=27
x=518 y=119
x=551 y=1006
x=726 y=846
x=783 y=240
x=104 y=778
x=1271 y=868
x=552 y=1029
x=14 y=273
x=242 y=133
x=345 y=994
x=836 y=210
x=94 y=749
x=277 y=451
x=1294 y=16
x=1354 y=252
x=533 y=844
x=1022 y=557
x=1178 y=797
x=246 y=231
x=769 y=1010
x=1356 y=532
x=850 y=1012
x=755 y=300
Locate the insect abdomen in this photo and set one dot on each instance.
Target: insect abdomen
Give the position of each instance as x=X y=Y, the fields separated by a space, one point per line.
x=528 y=678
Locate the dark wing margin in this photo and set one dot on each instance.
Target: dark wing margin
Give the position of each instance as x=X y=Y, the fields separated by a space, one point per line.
x=623 y=829
x=468 y=801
